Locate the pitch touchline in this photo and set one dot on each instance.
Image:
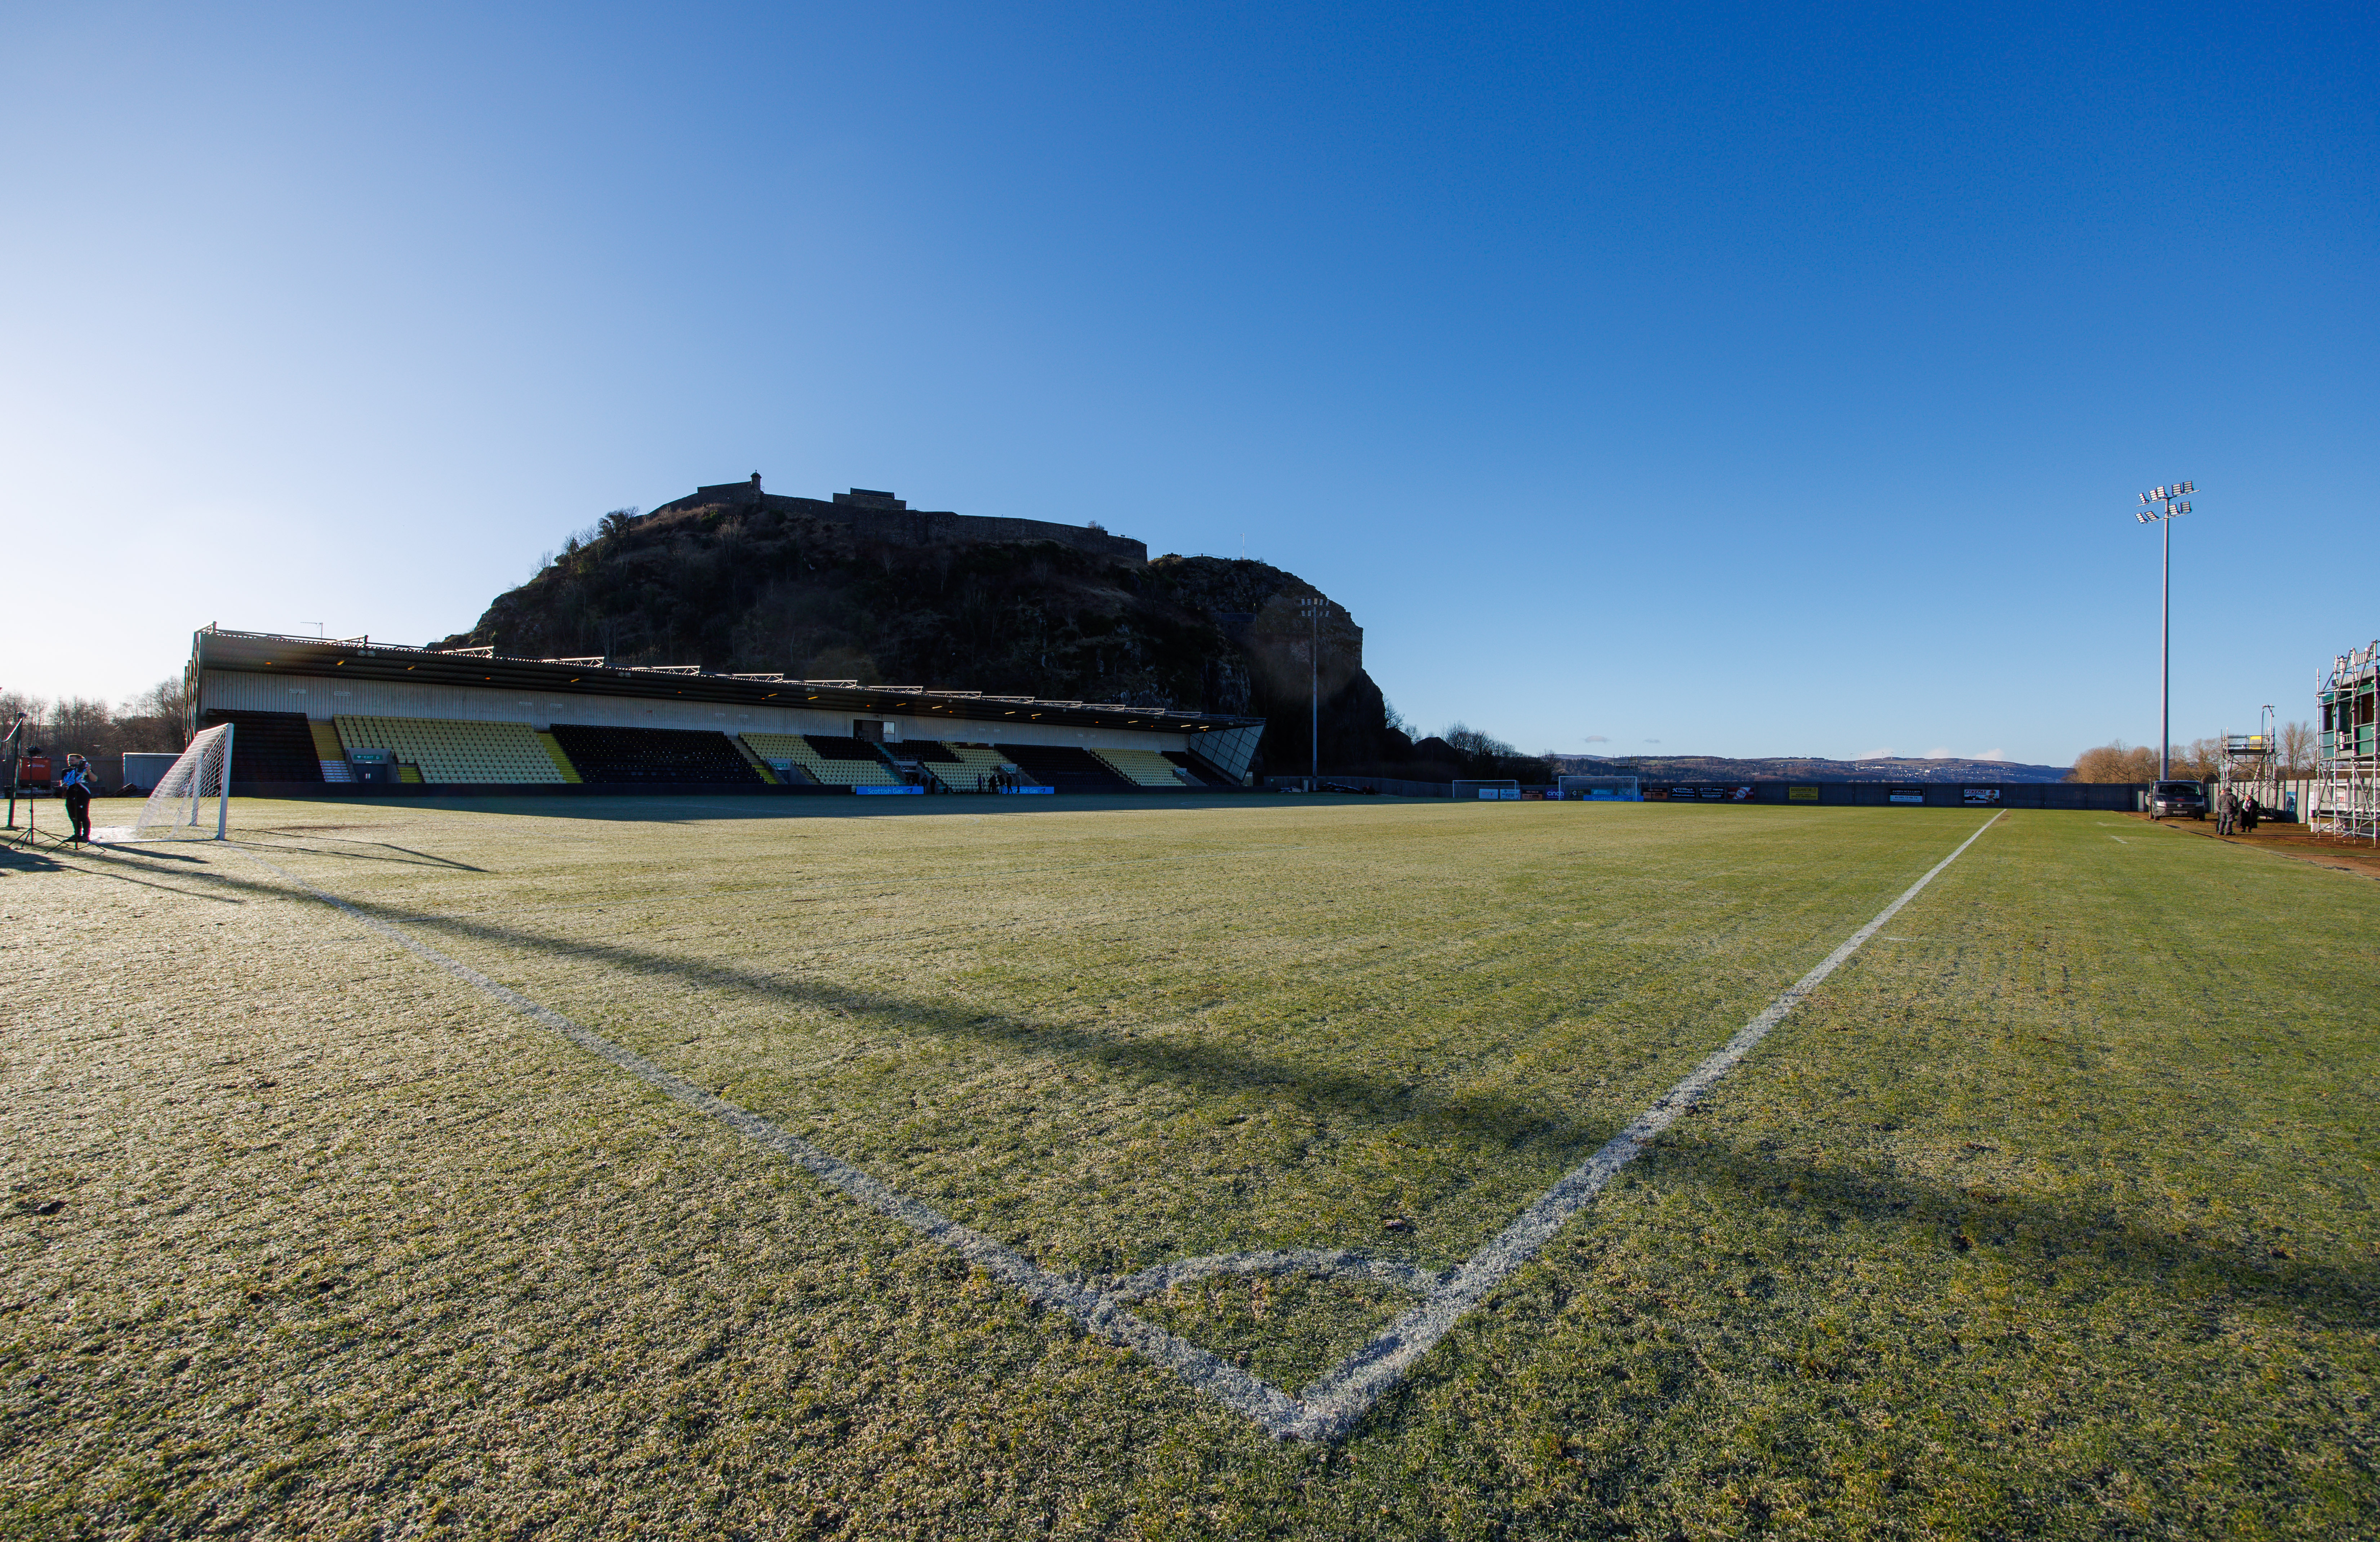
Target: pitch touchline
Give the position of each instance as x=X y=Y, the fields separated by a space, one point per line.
x=1330 y=1407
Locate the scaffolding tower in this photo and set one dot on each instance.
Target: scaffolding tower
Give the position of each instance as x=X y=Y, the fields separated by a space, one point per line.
x=2349 y=791
x=2251 y=768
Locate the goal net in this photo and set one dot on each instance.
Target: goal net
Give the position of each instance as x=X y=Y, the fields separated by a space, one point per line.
x=1467 y=789
x=193 y=797
x=1602 y=790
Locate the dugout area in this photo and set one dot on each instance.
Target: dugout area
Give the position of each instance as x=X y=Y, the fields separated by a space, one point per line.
x=2047 y=1214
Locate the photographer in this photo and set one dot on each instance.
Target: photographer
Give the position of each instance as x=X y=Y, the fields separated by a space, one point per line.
x=77 y=787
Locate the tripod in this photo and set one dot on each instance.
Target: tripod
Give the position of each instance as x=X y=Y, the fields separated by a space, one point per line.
x=11 y=752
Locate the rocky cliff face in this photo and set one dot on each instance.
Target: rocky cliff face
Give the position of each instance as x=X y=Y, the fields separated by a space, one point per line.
x=755 y=588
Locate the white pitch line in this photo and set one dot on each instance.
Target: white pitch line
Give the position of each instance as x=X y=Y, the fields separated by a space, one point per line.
x=1257 y=1398
x=1347 y=1391
x=1332 y=1405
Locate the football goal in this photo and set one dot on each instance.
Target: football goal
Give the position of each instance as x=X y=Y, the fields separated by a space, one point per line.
x=1507 y=788
x=193 y=797
x=1602 y=790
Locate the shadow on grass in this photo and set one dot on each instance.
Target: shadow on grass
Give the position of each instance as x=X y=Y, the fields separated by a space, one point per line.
x=1933 y=1217
x=671 y=808
x=406 y=855
x=2060 y=1244
x=2112 y=1286
x=1212 y=1068
x=16 y=859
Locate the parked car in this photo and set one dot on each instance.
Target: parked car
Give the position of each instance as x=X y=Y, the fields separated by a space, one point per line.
x=2177 y=799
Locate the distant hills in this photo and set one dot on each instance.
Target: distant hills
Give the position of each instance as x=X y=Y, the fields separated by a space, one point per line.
x=1891 y=768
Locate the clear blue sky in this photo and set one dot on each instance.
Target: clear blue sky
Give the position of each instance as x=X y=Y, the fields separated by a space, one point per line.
x=1742 y=380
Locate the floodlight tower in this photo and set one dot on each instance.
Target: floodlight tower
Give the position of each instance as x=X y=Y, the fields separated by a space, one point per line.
x=1311 y=607
x=2162 y=507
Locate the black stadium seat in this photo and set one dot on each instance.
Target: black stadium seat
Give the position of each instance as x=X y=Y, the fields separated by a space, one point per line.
x=607 y=754
x=1181 y=759
x=269 y=746
x=839 y=747
x=1066 y=768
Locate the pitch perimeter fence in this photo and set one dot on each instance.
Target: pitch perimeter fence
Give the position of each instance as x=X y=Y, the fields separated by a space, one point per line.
x=2112 y=796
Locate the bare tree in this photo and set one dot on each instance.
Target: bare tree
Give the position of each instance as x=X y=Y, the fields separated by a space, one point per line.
x=153 y=720
x=2297 y=749
x=157 y=720
x=2202 y=761
x=16 y=704
x=2116 y=761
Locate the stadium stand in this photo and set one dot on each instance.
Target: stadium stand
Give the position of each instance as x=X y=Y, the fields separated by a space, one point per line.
x=1144 y=768
x=839 y=747
x=842 y=769
x=561 y=761
x=609 y=755
x=1199 y=775
x=968 y=769
x=269 y=746
x=1066 y=768
x=446 y=751
x=752 y=758
x=328 y=750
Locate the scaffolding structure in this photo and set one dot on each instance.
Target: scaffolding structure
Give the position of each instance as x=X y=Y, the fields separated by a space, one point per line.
x=2348 y=795
x=2251 y=768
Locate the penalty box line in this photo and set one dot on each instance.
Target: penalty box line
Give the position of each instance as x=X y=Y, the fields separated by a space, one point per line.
x=1330 y=1408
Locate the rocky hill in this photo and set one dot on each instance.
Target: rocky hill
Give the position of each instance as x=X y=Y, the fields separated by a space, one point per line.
x=753 y=584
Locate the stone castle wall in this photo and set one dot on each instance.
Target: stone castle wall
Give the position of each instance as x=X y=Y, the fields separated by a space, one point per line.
x=885 y=518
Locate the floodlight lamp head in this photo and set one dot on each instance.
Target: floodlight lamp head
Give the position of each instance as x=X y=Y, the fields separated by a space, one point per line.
x=2181 y=509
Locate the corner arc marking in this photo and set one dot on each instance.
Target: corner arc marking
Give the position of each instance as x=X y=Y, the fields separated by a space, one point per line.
x=1321 y=1263
x=1251 y=1396
x=1330 y=1407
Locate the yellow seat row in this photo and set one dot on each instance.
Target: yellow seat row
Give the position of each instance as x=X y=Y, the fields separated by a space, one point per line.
x=1143 y=767
x=775 y=747
x=448 y=751
x=974 y=761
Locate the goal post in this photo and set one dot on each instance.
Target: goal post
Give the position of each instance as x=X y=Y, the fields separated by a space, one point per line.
x=193 y=799
x=1489 y=789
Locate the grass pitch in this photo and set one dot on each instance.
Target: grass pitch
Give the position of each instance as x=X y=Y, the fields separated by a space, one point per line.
x=2050 y=1213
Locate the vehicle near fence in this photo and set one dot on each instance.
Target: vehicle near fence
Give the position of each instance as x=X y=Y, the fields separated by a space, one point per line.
x=2177 y=800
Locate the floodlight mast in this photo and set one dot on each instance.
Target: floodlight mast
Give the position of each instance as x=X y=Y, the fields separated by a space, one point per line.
x=2162 y=507
x=1312 y=607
